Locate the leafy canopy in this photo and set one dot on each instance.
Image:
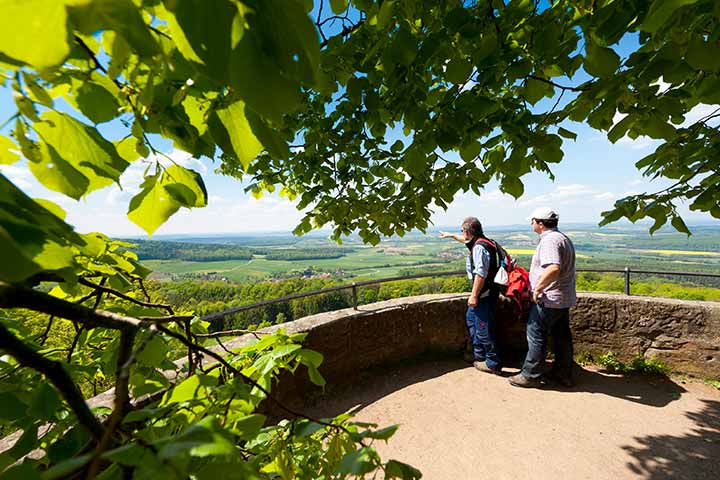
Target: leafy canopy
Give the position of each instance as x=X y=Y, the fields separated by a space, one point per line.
x=309 y=98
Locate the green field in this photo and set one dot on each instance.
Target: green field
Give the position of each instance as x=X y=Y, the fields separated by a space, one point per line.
x=596 y=248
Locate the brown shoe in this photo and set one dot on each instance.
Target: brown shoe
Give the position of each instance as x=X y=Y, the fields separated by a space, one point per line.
x=554 y=377
x=521 y=380
x=482 y=366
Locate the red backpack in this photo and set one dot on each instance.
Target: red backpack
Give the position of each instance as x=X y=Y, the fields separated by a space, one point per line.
x=514 y=281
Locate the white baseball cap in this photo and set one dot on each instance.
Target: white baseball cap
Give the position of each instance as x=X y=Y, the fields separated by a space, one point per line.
x=543 y=213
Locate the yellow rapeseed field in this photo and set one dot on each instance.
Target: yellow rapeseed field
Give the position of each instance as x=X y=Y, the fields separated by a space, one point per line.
x=680 y=252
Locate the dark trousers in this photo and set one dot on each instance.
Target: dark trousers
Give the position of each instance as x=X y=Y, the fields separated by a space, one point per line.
x=544 y=321
x=482 y=328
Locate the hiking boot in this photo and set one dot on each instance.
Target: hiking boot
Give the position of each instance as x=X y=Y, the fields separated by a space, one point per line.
x=468 y=356
x=521 y=380
x=562 y=380
x=482 y=366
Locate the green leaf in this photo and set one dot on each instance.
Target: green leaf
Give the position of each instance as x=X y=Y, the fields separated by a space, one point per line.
x=11 y=408
x=37 y=93
x=247 y=427
x=679 y=225
x=96 y=102
x=620 y=128
x=356 y=463
x=244 y=142
x=9 y=152
x=310 y=357
x=186 y=390
x=152 y=206
x=315 y=376
x=55 y=173
x=567 y=133
x=600 y=61
x=121 y=16
x=32 y=238
x=34 y=32
x=185 y=186
x=154 y=352
x=458 y=70
x=45 y=402
x=702 y=55
x=535 y=90
x=655 y=127
x=338 y=6
x=202 y=31
x=414 y=162
x=660 y=12
x=202 y=439
x=395 y=469
x=23 y=471
x=82 y=148
x=51 y=207
x=132 y=455
x=383 y=433
x=512 y=186
x=127 y=149
x=65 y=468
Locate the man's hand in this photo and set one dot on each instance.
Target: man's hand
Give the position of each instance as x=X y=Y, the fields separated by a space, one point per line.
x=472 y=301
x=537 y=294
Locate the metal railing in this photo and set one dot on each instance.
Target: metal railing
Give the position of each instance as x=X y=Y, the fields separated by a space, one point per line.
x=355 y=285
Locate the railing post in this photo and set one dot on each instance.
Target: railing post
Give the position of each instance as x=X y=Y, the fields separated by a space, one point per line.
x=627 y=280
x=354 y=296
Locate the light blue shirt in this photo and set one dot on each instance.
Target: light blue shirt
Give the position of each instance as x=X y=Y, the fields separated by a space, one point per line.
x=481 y=259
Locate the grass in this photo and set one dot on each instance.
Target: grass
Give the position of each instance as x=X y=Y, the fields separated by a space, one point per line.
x=713 y=383
x=612 y=364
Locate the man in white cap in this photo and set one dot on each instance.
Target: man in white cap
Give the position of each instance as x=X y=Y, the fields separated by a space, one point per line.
x=552 y=279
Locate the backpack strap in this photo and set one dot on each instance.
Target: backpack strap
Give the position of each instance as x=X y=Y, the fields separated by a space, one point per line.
x=492 y=248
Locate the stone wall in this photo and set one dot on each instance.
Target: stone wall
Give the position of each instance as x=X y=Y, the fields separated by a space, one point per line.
x=683 y=334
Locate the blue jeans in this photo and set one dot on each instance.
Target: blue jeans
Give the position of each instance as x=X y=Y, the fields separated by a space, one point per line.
x=541 y=322
x=482 y=328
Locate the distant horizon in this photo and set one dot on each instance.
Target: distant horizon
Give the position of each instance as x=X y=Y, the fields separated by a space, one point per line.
x=643 y=224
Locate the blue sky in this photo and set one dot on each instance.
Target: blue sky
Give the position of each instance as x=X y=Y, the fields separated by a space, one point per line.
x=593 y=174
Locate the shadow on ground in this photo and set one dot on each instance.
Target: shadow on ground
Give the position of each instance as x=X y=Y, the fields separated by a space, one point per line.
x=655 y=391
x=691 y=456
x=371 y=385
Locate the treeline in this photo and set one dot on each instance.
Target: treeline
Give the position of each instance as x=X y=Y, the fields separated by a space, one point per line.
x=210 y=297
x=651 y=286
x=215 y=296
x=215 y=252
x=292 y=254
x=192 y=252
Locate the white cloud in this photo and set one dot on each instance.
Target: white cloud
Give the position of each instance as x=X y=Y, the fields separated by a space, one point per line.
x=700 y=111
x=20 y=176
x=639 y=143
x=605 y=196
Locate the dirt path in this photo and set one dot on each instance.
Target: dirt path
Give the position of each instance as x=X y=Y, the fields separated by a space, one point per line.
x=458 y=423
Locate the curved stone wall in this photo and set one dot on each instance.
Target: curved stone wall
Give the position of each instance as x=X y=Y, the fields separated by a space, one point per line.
x=683 y=334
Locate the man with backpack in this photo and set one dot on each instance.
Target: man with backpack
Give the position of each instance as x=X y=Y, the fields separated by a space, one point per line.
x=552 y=279
x=482 y=266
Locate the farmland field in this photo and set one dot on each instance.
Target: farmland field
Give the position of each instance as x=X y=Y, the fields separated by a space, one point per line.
x=596 y=248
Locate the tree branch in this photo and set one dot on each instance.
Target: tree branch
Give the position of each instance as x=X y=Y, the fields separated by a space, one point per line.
x=57 y=375
x=14 y=296
x=227 y=333
x=248 y=380
x=572 y=89
x=114 y=292
x=125 y=359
